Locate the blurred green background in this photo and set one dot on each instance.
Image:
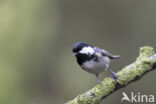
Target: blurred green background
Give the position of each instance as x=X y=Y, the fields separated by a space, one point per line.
x=36 y=37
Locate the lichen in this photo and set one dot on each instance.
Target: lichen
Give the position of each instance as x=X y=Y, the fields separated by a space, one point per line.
x=95 y=95
x=143 y=64
x=139 y=67
x=145 y=52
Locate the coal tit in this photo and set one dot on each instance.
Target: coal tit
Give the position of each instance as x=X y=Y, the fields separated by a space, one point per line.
x=93 y=59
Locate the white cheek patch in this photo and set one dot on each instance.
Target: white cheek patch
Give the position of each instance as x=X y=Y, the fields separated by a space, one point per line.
x=87 y=50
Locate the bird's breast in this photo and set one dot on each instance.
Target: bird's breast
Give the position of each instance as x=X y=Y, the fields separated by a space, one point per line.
x=82 y=58
x=94 y=67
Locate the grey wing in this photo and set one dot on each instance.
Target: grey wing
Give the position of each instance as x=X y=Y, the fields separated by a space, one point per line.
x=106 y=53
x=97 y=50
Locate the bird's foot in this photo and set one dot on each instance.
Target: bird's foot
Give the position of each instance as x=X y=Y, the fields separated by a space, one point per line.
x=115 y=76
x=99 y=82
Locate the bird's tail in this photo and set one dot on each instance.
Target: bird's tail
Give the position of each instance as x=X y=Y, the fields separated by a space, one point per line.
x=115 y=57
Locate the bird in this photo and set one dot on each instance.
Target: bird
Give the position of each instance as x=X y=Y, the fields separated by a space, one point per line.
x=93 y=59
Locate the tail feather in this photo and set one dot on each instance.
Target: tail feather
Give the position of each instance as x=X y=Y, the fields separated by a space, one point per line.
x=111 y=56
x=115 y=57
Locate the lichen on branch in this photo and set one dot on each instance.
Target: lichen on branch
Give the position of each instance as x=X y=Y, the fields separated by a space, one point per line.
x=145 y=62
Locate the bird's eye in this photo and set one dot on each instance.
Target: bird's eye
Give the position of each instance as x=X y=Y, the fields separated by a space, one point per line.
x=76 y=49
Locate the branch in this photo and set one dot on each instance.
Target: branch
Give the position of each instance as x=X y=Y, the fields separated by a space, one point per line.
x=145 y=62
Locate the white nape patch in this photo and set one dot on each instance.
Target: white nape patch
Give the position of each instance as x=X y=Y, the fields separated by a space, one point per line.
x=87 y=50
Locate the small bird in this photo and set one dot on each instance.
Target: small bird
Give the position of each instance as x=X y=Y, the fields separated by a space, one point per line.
x=93 y=59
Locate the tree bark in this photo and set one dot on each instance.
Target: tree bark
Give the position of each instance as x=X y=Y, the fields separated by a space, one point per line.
x=145 y=62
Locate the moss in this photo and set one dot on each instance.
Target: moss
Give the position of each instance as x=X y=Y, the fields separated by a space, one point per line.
x=142 y=65
x=95 y=95
x=145 y=52
x=138 y=68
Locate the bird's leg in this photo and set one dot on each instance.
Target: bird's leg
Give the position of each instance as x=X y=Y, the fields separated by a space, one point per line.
x=98 y=81
x=114 y=74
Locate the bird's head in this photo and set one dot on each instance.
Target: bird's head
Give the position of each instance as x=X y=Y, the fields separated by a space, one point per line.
x=83 y=48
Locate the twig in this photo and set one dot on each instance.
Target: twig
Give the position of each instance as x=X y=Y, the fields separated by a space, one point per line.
x=145 y=62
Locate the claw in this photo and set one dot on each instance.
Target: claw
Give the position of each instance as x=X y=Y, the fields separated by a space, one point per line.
x=98 y=81
x=114 y=74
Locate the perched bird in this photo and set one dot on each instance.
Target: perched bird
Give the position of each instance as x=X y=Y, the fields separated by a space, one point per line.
x=93 y=59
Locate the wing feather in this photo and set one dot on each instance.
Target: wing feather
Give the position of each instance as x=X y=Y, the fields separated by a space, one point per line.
x=106 y=53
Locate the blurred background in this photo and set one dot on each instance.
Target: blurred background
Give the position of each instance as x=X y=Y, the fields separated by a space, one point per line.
x=37 y=65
